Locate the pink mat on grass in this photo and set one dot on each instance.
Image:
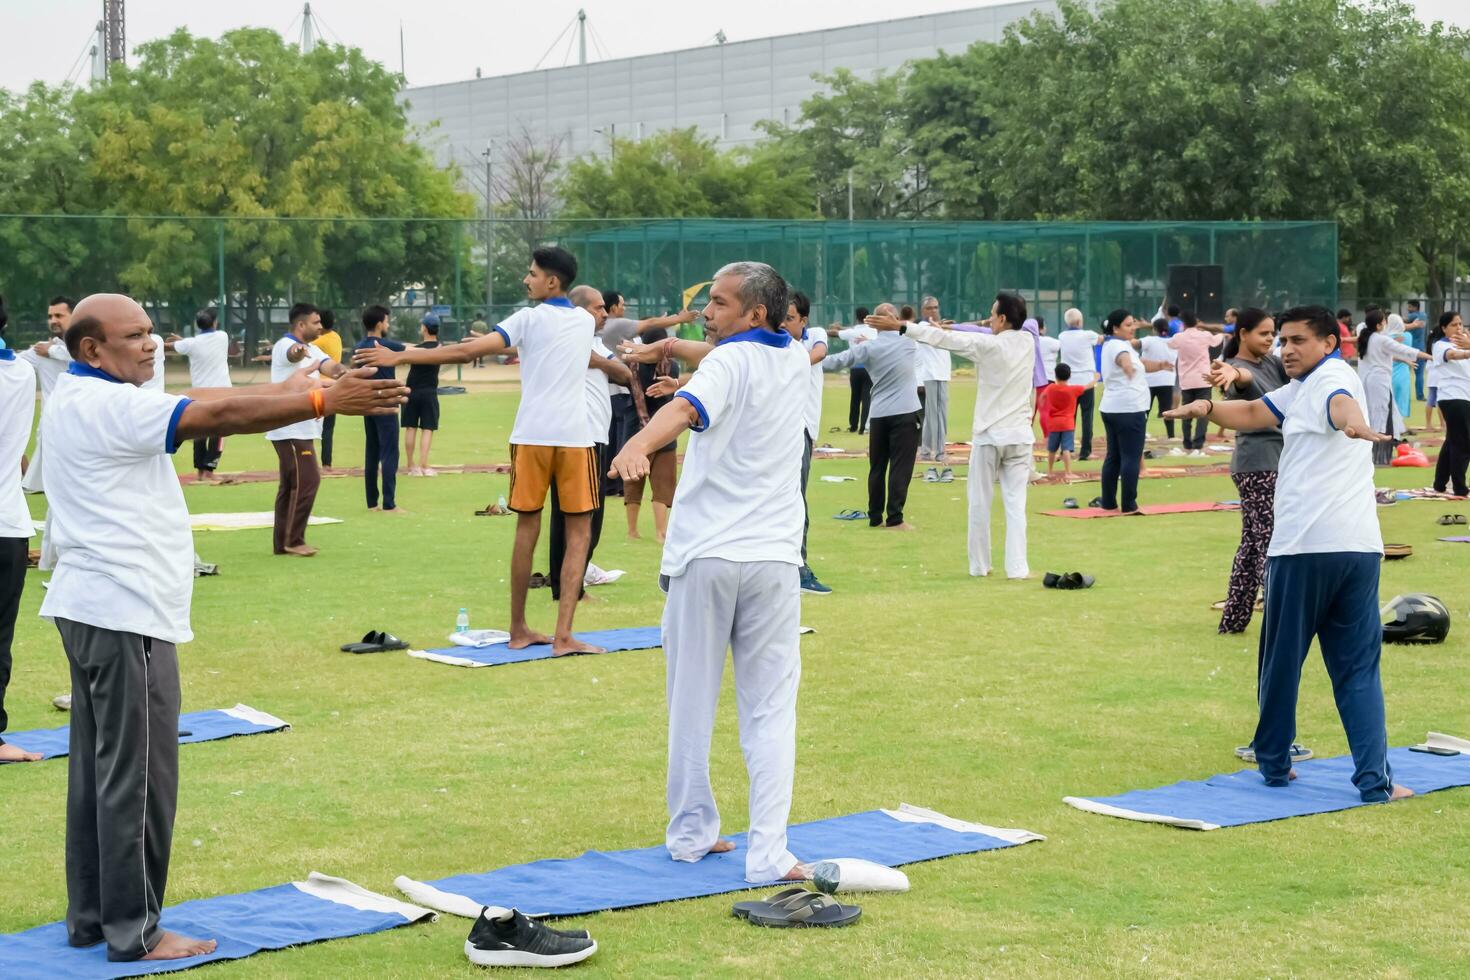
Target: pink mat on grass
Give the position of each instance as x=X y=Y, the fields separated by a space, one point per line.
x=1148 y=510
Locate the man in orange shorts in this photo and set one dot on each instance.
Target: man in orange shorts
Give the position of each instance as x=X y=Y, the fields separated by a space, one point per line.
x=551 y=441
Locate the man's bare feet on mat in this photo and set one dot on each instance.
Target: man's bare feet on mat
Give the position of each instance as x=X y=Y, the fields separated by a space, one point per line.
x=1400 y=793
x=799 y=872
x=176 y=947
x=14 y=753
x=519 y=641
x=722 y=846
x=561 y=648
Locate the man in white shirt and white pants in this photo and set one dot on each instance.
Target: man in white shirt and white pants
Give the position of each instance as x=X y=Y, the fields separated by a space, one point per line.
x=120 y=598
x=730 y=563
x=17 y=410
x=933 y=369
x=208 y=352
x=1000 y=446
x=1076 y=351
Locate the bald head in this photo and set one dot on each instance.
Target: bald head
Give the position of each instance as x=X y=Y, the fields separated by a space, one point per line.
x=590 y=300
x=885 y=309
x=111 y=332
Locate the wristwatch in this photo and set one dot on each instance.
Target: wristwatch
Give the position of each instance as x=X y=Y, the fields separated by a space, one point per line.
x=903 y=328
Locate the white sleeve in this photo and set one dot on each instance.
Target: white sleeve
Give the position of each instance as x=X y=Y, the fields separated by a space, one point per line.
x=1280 y=400
x=144 y=423
x=184 y=345
x=711 y=390
x=513 y=327
x=59 y=352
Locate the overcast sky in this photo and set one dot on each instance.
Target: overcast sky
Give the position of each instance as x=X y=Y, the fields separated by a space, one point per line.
x=446 y=40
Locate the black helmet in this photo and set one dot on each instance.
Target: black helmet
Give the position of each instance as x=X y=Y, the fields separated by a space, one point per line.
x=1416 y=618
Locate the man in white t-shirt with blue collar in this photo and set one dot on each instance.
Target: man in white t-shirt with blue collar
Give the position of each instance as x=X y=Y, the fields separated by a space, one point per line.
x=120 y=599
x=730 y=563
x=814 y=341
x=551 y=440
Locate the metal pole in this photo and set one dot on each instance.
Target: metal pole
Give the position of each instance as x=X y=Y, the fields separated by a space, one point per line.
x=220 y=251
x=581 y=37
x=851 y=276
x=489 y=155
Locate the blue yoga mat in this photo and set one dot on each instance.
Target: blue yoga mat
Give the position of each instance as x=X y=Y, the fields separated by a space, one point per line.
x=1233 y=799
x=202 y=726
x=615 y=641
x=600 y=880
x=242 y=925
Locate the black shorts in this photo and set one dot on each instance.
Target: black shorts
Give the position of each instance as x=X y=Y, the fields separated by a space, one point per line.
x=421 y=411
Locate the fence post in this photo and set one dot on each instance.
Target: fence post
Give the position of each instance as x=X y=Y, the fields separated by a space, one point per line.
x=458 y=286
x=220 y=254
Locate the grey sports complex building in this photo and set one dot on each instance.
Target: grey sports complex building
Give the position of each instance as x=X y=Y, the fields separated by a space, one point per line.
x=724 y=89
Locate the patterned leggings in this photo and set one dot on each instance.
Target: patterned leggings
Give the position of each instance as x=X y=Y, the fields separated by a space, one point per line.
x=1257 y=519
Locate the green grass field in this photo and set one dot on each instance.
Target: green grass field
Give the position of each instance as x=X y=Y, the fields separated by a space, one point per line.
x=985 y=699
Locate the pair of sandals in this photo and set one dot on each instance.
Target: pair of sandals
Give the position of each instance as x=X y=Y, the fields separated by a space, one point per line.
x=1448 y=520
x=797 y=908
x=494 y=510
x=851 y=515
x=375 y=642
x=539 y=581
x=1067 y=580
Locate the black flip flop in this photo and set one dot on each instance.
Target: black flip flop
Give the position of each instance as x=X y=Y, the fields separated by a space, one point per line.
x=768 y=905
x=539 y=581
x=369 y=644
x=1051 y=580
x=1076 y=580
x=1450 y=519
x=815 y=910
x=1394 y=552
x=1070 y=503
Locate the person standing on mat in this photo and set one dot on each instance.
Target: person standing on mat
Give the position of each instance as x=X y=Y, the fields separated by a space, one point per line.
x=1322 y=565
x=550 y=441
x=1124 y=410
x=120 y=599
x=295 y=444
x=603 y=371
x=860 y=403
x=1192 y=345
x=17 y=412
x=1076 y=351
x=934 y=372
x=893 y=436
x=380 y=449
x=814 y=341
x=1059 y=419
x=329 y=342
x=1451 y=365
x=208 y=352
x=1001 y=440
x=420 y=416
x=730 y=565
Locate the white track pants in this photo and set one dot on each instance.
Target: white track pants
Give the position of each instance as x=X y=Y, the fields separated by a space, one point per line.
x=1011 y=465
x=754 y=610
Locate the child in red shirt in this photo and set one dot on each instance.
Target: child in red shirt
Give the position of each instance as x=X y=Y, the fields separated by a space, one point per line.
x=1059 y=419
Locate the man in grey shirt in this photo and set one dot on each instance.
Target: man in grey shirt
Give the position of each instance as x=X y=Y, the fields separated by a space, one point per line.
x=893 y=427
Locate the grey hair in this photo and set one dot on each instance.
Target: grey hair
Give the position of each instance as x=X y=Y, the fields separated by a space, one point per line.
x=760 y=285
x=927 y=300
x=1073 y=317
x=584 y=295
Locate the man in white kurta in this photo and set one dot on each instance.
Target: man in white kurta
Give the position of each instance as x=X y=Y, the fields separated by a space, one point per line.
x=730 y=564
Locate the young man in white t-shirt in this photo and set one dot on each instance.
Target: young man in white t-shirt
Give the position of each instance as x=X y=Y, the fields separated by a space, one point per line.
x=1076 y=351
x=49 y=359
x=814 y=341
x=208 y=352
x=551 y=441
x=295 y=444
x=731 y=561
x=1323 y=562
x=17 y=411
x=120 y=599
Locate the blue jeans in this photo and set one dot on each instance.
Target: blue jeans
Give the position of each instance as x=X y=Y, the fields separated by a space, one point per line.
x=1334 y=598
x=381 y=453
x=1126 y=432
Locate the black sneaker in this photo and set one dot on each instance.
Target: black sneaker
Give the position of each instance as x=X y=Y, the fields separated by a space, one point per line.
x=519 y=941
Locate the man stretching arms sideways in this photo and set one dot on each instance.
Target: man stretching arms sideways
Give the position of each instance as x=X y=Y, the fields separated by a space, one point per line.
x=551 y=440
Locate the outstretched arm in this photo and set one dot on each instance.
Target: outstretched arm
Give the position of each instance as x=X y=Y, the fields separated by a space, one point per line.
x=667 y=424
x=691 y=352
x=1348 y=419
x=471 y=350
x=1232 y=415
x=358 y=394
x=618 y=372
x=673 y=320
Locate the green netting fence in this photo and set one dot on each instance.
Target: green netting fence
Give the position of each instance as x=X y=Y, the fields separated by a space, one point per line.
x=252 y=269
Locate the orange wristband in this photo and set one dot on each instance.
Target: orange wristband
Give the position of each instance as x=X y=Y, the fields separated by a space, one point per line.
x=318 y=401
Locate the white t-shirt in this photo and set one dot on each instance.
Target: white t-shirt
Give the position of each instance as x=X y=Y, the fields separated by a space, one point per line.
x=17 y=412
x=155 y=383
x=1076 y=353
x=1120 y=392
x=48 y=368
x=739 y=497
x=554 y=340
x=1050 y=348
x=1324 y=482
x=813 y=337
x=125 y=553
x=931 y=364
x=1450 y=377
x=209 y=358
x=1156 y=348
x=283 y=368
x=599 y=396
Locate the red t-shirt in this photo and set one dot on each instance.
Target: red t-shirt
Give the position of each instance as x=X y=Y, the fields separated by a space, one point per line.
x=1059 y=407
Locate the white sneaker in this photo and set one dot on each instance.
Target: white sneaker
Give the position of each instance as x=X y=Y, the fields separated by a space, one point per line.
x=1176 y=451
x=415 y=471
x=931 y=475
x=428 y=471
x=62 y=702
x=1197 y=453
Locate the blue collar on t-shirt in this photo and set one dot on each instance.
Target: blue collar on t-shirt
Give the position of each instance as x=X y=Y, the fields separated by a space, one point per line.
x=292 y=336
x=557 y=301
x=88 y=371
x=759 y=335
x=6 y=354
x=1337 y=353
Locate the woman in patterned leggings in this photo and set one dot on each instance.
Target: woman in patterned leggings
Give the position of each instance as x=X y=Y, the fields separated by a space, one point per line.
x=1248 y=371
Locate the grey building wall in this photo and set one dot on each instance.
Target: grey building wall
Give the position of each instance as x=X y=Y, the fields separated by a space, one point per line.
x=724 y=90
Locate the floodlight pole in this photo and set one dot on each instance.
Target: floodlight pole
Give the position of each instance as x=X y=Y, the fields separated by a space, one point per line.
x=851 y=278
x=489 y=155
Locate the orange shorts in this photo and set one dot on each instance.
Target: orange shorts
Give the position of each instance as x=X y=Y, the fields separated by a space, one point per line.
x=533 y=469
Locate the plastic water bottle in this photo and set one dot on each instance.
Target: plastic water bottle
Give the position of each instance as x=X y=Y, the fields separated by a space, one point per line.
x=462 y=622
x=502 y=503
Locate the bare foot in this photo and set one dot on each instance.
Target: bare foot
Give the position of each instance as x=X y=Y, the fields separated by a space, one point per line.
x=529 y=638
x=301 y=550
x=903 y=526
x=1399 y=792
x=396 y=510
x=372 y=509
x=800 y=872
x=589 y=597
x=176 y=947
x=1291 y=774
x=634 y=536
x=561 y=648
x=14 y=753
x=722 y=846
